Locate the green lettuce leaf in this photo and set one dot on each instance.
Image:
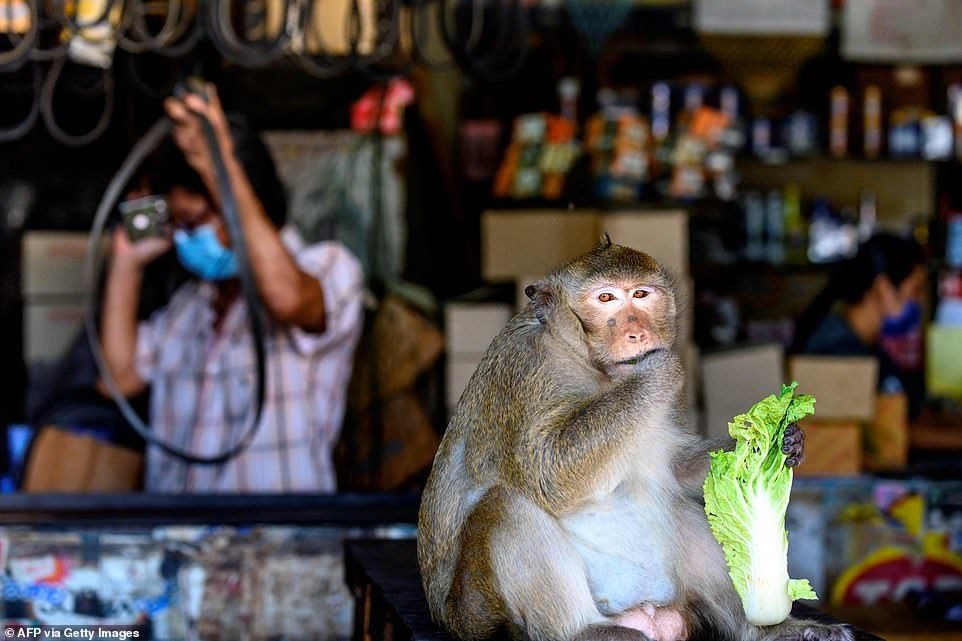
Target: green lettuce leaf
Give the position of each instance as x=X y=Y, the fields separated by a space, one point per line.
x=746 y=496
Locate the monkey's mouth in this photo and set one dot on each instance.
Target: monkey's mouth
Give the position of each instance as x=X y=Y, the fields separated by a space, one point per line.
x=629 y=361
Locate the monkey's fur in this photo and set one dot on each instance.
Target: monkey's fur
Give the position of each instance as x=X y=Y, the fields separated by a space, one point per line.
x=565 y=501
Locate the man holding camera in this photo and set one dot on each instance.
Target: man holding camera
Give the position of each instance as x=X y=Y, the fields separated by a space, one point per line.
x=196 y=353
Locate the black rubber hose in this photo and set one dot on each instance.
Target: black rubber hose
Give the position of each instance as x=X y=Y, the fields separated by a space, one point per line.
x=141 y=150
x=50 y=119
x=19 y=130
x=233 y=47
x=321 y=65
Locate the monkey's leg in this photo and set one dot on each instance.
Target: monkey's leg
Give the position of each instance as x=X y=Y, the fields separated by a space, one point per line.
x=517 y=567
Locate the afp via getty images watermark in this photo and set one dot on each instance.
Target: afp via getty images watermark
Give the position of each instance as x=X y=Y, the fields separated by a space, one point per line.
x=80 y=632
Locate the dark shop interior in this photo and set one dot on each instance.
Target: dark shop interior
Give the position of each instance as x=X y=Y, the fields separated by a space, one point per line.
x=478 y=320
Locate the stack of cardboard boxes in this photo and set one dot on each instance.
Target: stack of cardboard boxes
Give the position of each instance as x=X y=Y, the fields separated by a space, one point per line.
x=469 y=327
x=854 y=428
x=53 y=293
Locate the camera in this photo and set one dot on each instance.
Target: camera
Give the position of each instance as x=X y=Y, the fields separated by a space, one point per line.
x=144 y=217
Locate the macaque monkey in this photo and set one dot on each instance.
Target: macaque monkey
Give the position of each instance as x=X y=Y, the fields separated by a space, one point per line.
x=565 y=502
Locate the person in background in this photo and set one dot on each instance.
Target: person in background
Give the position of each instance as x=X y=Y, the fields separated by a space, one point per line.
x=872 y=306
x=196 y=353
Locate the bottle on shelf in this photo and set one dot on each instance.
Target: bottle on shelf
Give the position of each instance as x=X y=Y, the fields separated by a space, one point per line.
x=838 y=122
x=872 y=122
x=754 y=211
x=660 y=111
x=794 y=223
x=774 y=227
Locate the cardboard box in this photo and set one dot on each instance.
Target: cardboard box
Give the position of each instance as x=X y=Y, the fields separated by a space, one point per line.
x=832 y=448
x=52 y=263
x=514 y=243
x=61 y=461
x=459 y=371
x=526 y=242
x=844 y=387
x=662 y=234
x=470 y=327
x=734 y=380
x=49 y=329
x=886 y=443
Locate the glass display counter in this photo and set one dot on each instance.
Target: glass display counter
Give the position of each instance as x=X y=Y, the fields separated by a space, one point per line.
x=190 y=567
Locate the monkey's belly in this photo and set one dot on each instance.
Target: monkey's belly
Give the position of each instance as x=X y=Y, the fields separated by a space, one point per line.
x=626 y=554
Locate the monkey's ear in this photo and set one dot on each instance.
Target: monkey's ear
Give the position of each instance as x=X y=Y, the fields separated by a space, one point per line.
x=542 y=299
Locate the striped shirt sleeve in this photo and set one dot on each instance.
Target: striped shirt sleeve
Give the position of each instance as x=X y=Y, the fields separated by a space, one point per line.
x=145 y=357
x=342 y=284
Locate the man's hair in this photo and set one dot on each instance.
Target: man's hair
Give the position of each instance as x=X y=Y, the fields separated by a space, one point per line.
x=167 y=168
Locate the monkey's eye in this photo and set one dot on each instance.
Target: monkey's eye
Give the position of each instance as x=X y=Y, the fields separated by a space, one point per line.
x=640 y=293
x=606 y=297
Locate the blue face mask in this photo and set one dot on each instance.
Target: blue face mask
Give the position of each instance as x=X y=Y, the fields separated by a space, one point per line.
x=201 y=253
x=904 y=322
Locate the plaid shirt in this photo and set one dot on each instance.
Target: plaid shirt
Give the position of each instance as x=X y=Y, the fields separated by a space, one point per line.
x=202 y=384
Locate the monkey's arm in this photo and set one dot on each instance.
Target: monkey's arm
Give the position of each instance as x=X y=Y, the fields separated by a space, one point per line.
x=579 y=445
x=692 y=469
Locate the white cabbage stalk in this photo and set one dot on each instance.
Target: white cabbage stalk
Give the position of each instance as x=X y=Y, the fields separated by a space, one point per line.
x=746 y=496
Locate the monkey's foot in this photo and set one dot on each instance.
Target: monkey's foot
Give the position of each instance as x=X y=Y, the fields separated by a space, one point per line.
x=811 y=631
x=660 y=624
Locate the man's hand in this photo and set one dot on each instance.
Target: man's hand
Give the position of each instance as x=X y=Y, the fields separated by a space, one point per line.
x=137 y=255
x=188 y=132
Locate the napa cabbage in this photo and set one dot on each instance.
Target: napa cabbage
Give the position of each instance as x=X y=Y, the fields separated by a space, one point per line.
x=746 y=496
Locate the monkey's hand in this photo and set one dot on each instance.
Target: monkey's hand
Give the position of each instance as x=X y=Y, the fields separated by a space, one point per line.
x=793 y=445
x=663 y=364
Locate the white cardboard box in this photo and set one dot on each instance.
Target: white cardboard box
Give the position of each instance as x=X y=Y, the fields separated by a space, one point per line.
x=526 y=242
x=514 y=243
x=734 y=380
x=844 y=386
x=49 y=329
x=662 y=234
x=52 y=262
x=469 y=327
x=459 y=371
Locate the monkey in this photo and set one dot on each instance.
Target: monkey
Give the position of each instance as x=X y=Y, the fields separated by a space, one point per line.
x=565 y=501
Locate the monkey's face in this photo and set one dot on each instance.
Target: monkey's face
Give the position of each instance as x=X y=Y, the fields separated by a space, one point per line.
x=624 y=320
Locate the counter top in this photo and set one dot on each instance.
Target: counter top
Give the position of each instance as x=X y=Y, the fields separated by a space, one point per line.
x=391 y=605
x=131 y=509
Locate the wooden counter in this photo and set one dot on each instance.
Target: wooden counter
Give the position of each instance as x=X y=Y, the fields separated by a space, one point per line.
x=390 y=603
